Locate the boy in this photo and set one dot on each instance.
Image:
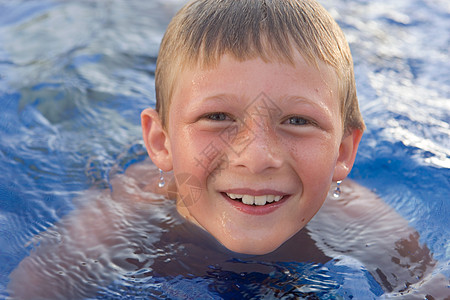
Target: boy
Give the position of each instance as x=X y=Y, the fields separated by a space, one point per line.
x=256 y=116
x=256 y=100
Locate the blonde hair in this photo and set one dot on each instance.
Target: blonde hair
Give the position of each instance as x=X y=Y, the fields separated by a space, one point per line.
x=204 y=30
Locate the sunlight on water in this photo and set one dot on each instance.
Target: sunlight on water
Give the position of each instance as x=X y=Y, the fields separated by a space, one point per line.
x=74 y=77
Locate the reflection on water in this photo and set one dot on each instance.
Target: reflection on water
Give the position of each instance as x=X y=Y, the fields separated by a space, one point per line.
x=128 y=241
x=74 y=76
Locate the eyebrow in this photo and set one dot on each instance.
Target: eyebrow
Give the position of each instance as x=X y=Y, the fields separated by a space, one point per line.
x=303 y=100
x=220 y=97
x=216 y=98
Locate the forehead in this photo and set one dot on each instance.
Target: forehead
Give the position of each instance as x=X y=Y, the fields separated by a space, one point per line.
x=256 y=75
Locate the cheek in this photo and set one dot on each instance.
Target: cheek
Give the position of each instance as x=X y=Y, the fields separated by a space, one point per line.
x=195 y=152
x=314 y=157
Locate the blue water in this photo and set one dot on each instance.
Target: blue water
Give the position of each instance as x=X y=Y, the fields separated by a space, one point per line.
x=75 y=75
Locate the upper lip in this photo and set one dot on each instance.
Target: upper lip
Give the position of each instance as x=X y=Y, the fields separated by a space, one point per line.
x=252 y=192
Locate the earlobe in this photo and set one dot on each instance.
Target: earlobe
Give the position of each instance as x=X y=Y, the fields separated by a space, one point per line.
x=156 y=140
x=347 y=154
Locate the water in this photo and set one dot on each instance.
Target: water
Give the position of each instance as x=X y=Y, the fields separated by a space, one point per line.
x=74 y=76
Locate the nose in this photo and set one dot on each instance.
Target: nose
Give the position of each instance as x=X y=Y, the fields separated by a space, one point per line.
x=256 y=148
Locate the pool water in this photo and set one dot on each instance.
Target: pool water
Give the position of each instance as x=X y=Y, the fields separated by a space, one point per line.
x=74 y=77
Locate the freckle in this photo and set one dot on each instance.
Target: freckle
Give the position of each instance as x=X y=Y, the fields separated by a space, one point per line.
x=303 y=220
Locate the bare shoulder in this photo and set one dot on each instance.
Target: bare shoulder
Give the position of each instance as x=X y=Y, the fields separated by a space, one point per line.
x=76 y=255
x=144 y=178
x=361 y=225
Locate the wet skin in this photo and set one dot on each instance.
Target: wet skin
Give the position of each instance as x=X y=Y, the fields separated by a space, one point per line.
x=85 y=251
x=253 y=128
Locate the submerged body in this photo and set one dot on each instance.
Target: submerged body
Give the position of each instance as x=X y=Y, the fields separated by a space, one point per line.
x=130 y=235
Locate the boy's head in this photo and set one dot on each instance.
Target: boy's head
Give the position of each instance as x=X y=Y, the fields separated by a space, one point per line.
x=256 y=115
x=274 y=30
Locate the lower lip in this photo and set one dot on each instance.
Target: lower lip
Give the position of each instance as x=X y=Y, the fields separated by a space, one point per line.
x=255 y=209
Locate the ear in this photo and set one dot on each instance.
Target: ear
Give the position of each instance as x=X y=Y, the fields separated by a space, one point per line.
x=156 y=140
x=347 y=154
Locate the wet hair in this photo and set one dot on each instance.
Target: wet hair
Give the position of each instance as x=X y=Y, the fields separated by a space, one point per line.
x=205 y=30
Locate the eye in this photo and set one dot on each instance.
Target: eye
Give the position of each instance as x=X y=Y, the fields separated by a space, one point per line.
x=297 y=120
x=217 y=116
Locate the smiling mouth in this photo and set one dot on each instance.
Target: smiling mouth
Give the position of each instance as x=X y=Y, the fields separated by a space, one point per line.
x=255 y=200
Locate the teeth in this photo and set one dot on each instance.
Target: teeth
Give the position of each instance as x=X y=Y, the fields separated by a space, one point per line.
x=260 y=200
x=255 y=200
x=247 y=199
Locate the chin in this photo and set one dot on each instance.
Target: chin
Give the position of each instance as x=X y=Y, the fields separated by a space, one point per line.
x=252 y=248
x=254 y=242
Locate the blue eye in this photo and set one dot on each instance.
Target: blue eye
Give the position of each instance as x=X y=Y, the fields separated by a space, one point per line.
x=217 y=116
x=297 y=121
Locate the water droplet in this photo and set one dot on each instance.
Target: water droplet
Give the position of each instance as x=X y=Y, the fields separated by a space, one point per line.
x=161 y=183
x=337 y=191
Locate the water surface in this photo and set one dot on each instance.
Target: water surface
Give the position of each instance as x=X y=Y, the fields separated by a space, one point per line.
x=74 y=76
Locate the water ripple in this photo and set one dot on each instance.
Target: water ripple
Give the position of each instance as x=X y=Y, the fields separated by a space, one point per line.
x=74 y=76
